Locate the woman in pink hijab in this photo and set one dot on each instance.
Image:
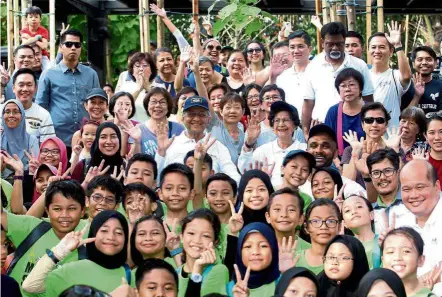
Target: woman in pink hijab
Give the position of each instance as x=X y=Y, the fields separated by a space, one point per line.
x=52 y=152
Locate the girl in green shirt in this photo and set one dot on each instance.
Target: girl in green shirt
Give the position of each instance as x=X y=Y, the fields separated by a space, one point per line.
x=105 y=266
x=402 y=252
x=297 y=281
x=381 y=282
x=322 y=223
x=358 y=216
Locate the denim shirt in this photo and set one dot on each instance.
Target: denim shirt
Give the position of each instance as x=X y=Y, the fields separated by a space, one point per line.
x=61 y=91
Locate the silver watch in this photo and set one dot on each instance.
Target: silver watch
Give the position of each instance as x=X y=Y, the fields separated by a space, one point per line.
x=196 y=277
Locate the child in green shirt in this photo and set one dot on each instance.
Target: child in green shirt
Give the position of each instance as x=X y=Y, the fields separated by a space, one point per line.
x=297 y=281
x=141 y=168
x=156 y=277
x=138 y=200
x=103 y=193
x=381 y=282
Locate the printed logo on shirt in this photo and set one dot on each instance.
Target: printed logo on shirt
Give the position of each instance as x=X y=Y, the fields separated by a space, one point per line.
x=434 y=96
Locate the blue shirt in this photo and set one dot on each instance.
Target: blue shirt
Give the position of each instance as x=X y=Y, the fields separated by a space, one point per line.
x=61 y=91
x=191 y=76
x=219 y=131
x=158 y=82
x=379 y=204
x=149 y=144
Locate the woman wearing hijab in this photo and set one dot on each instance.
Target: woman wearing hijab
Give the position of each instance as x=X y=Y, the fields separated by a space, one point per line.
x=297 y=281
x=52 y=152
x=345 y=263
x=381 y=282
x=256 y=240
x=106 y=148
x=324 y=182
x=105 y=267
x=14 y=138
x=255 y=188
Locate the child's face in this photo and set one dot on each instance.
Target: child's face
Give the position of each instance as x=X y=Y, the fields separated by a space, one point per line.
x=296 y=171
x=338 y=264
x=137 y=205
x=158 y=282
x=301 y=287
x=401 y=256
x=64 y=213
x=150 y=238
x=356 y=213
x=50 y=153
x=141 y=172
x=256 y=252
x=100 y=199
x=232 y=112
x=33 y=19
x=256 y=195
x=88 y=135
x=381 y=289
x=323 y=185
x=219 y=193
x=284 y=214
x=110 y=237
x=196 y=237
x=4 y=247
x=176 y=191
x=322 y=235
x=205 y=171
x=41 y=181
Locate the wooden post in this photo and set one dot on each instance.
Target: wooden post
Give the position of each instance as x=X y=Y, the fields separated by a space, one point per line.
x=407 y=33
x=24 y=6
x=141 y=14
x=195 y=9
x=341 y=13
x=10 y=33
x=108 y=62
x=333 y=17
x=16 y=23
x=380 y=12
x=52 y=30
x=160 y=26
x=318 y=32
x=351 y=15
x=146 y=27
x=368 y=27
x=325 y=12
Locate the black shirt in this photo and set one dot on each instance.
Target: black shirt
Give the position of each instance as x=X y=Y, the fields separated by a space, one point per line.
x=431 y=100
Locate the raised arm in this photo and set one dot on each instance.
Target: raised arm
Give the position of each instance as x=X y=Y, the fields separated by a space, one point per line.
x=17 y=189
x=395 y=39
x=184 y=59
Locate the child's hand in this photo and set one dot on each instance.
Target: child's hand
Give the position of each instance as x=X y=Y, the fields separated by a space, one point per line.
x=207 y=257
x=241 y=287
x=25 y=36
x=236 y=221
x=33 y=162
x=287 y=252
x=172 y=238
x=136 y=209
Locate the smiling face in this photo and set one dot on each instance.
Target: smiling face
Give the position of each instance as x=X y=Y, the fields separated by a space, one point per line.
x=24 y=89
x=88 y=135
x=150 y=239
x=196 y=119
x=253 y=101
x=50 y=153
x=138 y=204
x=284 y=214
x=256 y=194
x=301 y=287
x=215 y=98
x=212 y=50
x=296 y=171
x=349 y=90
x=434 y=135
x=108 y=142
x=64 y=213
x=158 y=283
x=12 y=115
x=424 y=63
x=254 y=53
x=236 y=64
x=206 y=72
x=175 y=191
x=219 y=193
x=110 y=237
x=341 y=269
x=283 y=125
x=196 y=237
x=101 y=199
x=299 y=49
x=269 y=97
x=379 y=50
x=323 y=148
x=375 y=130
x=323 y=185
x=232 y=112
x=385 y=185
x=141 y=172
x=96 y=108
x=42 y=180
x=123 y=103
x=334 y=46
x=256 y=252
x=322 y=235
x=356 y=213
x=157 y=107
x=164 y=63
x=24 y=58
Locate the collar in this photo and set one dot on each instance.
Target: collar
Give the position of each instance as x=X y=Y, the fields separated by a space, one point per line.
x=436 y=212
x=65 y=68
x=345 y=62
x=380 y=204
x=186 y=138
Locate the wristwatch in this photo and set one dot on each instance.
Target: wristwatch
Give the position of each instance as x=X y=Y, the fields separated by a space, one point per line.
x=399 y=48
x=52 y=256
x=196 y=277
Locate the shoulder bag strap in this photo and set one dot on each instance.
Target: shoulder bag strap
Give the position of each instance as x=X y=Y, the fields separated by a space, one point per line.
x=339 y=129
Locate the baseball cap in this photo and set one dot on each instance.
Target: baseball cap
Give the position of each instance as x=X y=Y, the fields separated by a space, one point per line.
x=96 y=92
x=293 y=154
x=322 y=129
x=196 y=101
x=282 y=106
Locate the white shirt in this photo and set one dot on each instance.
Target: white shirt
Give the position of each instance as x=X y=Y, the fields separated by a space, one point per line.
x=292 y=83
x=140 y=113
x=183 y=144
x=273 y=153
x=389 y=92
x=320 y=82
x=431 y=233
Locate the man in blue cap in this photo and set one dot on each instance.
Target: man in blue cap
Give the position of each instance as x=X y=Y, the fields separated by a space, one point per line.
x=196 y=117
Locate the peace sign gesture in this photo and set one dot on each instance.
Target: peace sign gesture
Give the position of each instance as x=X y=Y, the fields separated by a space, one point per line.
x=339 y=197
x=60 y=175
x=33 y=162
x=201 y=148
x=95 y=171
x=236 y=221
x=114 y=173
x=287 y=251
x=241 y=287
x=71 y=242
x=172 y=238
x=388 y=226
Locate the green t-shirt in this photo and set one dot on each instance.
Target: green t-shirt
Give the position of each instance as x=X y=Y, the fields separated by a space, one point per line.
x=266 y=290
x=302 y=244
x=7 y=189
x=169 y=260
x=307 y=200
x=19 y=227
x=214 y=281
x=189 y=207
x=84 y=272
x=302 y=262
x=424 y=292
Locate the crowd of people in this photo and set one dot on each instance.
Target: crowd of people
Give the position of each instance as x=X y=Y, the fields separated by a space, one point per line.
x=223 y=172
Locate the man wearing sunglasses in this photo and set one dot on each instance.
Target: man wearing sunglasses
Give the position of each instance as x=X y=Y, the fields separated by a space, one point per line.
x=61 y=89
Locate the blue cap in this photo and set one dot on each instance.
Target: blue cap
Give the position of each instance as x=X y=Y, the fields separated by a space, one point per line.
x=96 y=92
x=292 y=154
x=196 y=101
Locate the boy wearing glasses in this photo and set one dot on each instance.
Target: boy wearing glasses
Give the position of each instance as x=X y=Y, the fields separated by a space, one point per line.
x=103 y=193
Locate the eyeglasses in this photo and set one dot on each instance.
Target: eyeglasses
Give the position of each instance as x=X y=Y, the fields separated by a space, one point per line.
x=256 y=50
x=333 y=44
x=143 y=66
x=13 y=112
x=194 y=114
x=69 y=44
x=251 y=97
x=387 y=172
x=160 y=103
x=107 y=200
x=330 y=223
x=272 y=98
x=50 y=152
x=371 y=120
x=339 y=259
x=210 y=47
x=349 y=86
x=86 y=291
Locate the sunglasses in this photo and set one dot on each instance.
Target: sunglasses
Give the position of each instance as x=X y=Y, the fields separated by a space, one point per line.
x=210 y=47
x=371 y=120
x=69 y=44
x=256 y=50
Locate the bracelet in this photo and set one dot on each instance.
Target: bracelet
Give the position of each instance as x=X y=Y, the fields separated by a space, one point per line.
x=177 y=251
x=367 y=179
x=52 y=256
x=399 y=48
x=249 y=146
x=19 y=177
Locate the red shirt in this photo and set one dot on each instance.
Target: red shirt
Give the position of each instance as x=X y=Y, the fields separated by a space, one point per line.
x=40 y=31
x=437 y=164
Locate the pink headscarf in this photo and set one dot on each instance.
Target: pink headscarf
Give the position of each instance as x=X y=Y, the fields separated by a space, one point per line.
x=63 y=151
x=41 y=167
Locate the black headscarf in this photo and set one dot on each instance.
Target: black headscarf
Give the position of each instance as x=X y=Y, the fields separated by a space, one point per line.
x=109 y=262
x=290 y=274
x=387 y=275
x=347 y=287
x=250 y=215
x=97 y=156
x=335 y=175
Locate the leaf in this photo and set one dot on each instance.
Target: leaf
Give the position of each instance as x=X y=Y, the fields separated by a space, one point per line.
x=227 y=10
x=251 y=2
x=218 y=26
x=250 y=10
x=254 y=26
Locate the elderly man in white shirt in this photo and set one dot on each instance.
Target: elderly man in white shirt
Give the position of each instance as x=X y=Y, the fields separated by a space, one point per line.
x=320 y=92
x=421 y=196
x=196 y=118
